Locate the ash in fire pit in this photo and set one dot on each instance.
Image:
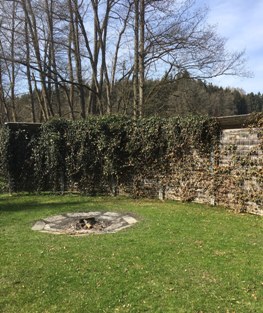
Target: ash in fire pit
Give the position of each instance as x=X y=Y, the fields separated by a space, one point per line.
x=85 y=223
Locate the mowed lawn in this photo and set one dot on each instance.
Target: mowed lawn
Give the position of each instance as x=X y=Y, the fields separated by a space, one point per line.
x=177 y=258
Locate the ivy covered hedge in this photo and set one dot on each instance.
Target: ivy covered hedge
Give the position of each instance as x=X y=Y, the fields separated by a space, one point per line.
x=177 y=158
x=102 y=154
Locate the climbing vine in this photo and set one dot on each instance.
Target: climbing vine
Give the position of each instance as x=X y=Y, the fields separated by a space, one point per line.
x=239 y=183
x=177 y=157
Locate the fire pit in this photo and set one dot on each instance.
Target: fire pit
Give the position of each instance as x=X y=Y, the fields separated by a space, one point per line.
x=85 y=223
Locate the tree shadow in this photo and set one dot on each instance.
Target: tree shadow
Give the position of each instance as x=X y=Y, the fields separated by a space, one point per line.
x=31 y=203
x=35 y=206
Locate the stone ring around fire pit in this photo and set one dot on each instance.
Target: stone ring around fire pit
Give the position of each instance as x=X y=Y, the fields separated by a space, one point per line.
x=85 y=223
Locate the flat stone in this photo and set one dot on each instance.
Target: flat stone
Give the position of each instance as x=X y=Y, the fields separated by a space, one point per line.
x=106 y=218
x=55 y=230
x=113 y=214
x=52 y=225
x=115 y=226
x=129 y=219
x=83 y=214
x=119 y=220
x=38 y=225
x=64 y=223
x=52 y=229
x=120 y=228
x=54 y=218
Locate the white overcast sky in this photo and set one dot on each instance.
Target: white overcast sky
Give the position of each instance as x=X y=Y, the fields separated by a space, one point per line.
x=241 y=22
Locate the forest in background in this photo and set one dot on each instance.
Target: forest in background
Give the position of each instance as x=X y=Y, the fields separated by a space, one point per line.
x=75 y=58
x=175 y=97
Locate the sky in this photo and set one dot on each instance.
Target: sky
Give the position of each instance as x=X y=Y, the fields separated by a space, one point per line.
x=241 y=23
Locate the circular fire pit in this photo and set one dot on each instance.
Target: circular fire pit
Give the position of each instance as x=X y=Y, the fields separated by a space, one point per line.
x=85 y=223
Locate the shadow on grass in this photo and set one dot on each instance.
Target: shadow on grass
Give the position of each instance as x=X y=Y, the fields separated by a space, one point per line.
x=37 y=206
x=29 y=202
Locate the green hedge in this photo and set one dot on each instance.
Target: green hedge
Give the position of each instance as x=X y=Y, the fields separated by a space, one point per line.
x=101 y=155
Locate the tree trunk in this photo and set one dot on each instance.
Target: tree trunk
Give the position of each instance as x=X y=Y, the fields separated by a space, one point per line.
x=141 y=57
x=71 y=97
x=3 y=105
x=136 y=60
x=13 y=78
x=76 y=43
x=28 y=73
x=52 y=54
x=31 y=20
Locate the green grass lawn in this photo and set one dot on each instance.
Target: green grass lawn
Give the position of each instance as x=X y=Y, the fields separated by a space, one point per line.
x=178 y=258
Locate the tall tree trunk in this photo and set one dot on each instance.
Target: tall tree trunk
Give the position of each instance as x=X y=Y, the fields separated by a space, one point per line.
x=52 y=52
x=103 y=37
x=76 y=42
x=43 y=112
x=101 y=30
x=13 y=78
x=93 y=109
x=28 y=74
x=71 y=74
x=136 y=60
x=31 y=19
x=141 y=57
x=3 y=105
x=93 y=89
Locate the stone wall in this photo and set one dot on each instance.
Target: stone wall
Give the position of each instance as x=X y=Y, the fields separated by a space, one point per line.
x=233 y=178
x=240 y=170
x=239 y=142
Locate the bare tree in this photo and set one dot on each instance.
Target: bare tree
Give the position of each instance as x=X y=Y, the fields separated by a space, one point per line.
x=33 y=30
x=7 y=48
x=81 y=53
